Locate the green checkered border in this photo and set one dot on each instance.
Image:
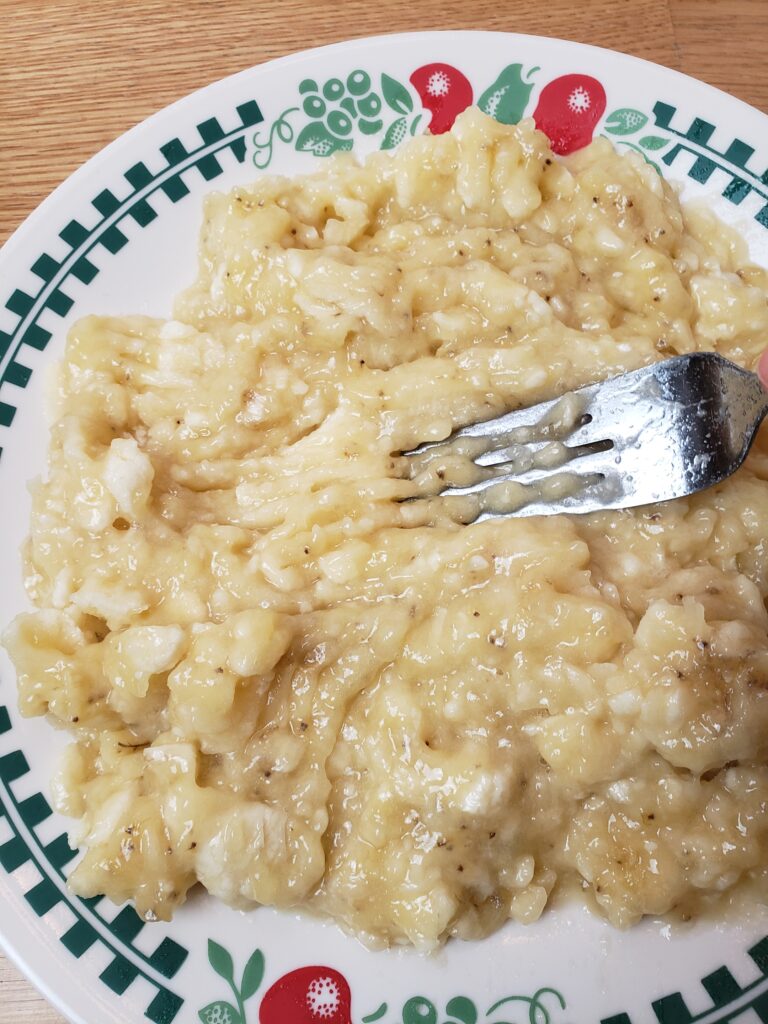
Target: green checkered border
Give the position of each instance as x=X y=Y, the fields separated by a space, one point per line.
x=733 y=160
x=729 y=999
x=85 y=243
x=24 y=848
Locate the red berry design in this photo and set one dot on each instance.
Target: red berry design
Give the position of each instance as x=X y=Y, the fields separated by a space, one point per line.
x=568 y=111
x=310 y=995
x=323 y=997
x=444 y=91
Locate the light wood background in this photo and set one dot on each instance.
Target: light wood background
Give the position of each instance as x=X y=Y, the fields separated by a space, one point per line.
x=74 y=74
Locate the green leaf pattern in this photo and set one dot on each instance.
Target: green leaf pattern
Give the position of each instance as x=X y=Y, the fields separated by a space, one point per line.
x=220 y=1012
x=396 y=95
x=253 y=975
x=653 y=142
x=625 y=121
x=395 y=133
x=221 y=961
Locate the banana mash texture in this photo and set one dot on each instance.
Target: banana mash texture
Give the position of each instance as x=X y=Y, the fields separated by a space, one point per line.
x=285 y=685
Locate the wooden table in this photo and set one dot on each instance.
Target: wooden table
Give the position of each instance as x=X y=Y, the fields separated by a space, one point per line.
x=74 y=74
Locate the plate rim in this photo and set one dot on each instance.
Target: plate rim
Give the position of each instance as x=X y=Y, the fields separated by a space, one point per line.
x=32 y=221
x=349 y=45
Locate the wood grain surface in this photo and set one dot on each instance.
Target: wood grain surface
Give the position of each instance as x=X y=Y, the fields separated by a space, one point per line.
x=75 y=74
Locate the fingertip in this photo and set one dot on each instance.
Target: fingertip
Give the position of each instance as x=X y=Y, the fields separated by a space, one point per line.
x=762 y=369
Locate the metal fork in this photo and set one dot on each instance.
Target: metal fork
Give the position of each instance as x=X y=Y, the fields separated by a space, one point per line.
x=661 y=432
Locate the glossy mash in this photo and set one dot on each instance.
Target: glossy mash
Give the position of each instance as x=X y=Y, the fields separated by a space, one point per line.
x=287 y=686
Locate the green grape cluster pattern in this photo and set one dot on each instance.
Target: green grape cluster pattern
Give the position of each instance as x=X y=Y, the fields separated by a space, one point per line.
x=335 y=107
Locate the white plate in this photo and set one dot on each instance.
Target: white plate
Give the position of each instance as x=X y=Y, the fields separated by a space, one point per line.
x=120 y=236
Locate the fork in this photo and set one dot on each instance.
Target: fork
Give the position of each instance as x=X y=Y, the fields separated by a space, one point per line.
x=661 y=432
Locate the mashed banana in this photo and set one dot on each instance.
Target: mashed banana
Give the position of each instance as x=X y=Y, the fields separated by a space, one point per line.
x=288 y=686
